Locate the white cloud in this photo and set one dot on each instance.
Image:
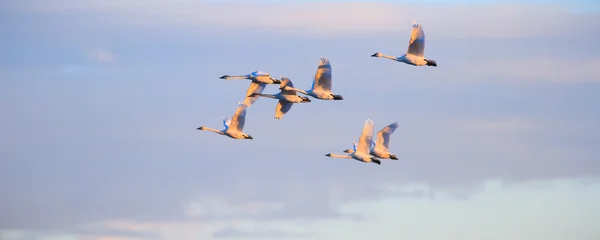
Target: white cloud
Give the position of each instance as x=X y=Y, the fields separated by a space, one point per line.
x=217 y=207
x=439 y=21
x=102 y=56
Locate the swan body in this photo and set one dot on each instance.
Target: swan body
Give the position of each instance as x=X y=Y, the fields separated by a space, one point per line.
x=286 y=96
x=234 y=126
x=321 y=86
x=362 y=149
x=259 y=81
x=380 y=148
x=416 y=49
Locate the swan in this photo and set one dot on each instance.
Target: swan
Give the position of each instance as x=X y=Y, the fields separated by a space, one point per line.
x=233 y=126
x=361 y=152
x=321 y=87
x=259 y=82
x=416 y=49
x=380 y=148
x=286 y=97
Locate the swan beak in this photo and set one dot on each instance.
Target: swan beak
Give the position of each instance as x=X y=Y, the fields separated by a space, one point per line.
x=376 y=161
x=224 y=76
x=249 y=137
x=276 y=81
x=392 y=156
x=431 y=63
x=338 y=97
x=328 y=155
x=200 y=128
x=374 y=55
x=306 y=99
x=347 y=150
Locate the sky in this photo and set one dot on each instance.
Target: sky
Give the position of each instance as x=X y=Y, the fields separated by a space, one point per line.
x=100 y=101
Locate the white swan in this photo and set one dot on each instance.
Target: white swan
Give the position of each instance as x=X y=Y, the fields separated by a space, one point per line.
x=234 y=126
x=416 y=49
x=286 y=97
x=380 y=148
x=259 y=81
x=321 y=87
x=361 y=152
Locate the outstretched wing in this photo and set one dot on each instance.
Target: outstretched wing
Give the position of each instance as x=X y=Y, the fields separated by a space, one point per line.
x=259 y=73
x=364 y=143
x=322 y=81
x=286 y=82
x=416 y=44
x=255 y=87
x=383 y=136
x=226 y=122
x=239 y=117
x=282 y=108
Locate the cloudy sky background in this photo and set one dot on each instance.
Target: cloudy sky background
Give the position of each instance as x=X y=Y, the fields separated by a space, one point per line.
x=100 y=100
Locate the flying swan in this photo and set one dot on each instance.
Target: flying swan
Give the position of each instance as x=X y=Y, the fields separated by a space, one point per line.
x=380 y=148
x=321 y=87
x=361 y=152
x=416 y=49
x=259 y=81
x=233 y=126
x=286 y=97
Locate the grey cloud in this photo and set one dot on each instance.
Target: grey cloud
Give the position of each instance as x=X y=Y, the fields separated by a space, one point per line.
x=234 y=233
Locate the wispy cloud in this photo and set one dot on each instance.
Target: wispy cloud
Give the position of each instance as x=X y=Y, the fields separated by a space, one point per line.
x=102 y=56
x=440 y=21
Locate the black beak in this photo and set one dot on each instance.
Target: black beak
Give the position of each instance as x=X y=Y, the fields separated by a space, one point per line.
x=392 y=156
x=306 y=100
x=328 y=155
x=200 y=128
x=224 y=76
x=249 y=137
x=276 y=81
x=376 y=161
x=431 y=63
x=337 y=97
x=374 y=55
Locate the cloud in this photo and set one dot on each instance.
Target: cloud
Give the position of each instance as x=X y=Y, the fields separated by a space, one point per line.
x=101 y=56
x=330 y=19
x=234 y=233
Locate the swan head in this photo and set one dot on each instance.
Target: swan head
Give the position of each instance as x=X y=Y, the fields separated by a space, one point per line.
x=337 y=97
x=377 y=54
x=375 y=160
x=431 y=62
x=328 y=155
x=201 y=128
x=304 y=99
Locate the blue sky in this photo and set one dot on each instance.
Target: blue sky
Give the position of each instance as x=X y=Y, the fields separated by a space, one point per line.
x=100 y=101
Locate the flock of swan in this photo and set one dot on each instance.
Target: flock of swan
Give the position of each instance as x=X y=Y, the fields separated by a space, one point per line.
x=366 y=149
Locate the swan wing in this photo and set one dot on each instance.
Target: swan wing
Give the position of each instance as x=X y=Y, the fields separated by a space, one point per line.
x=254 y=87
x=416 y=44
x=239 y=117
x=322 y=81
x=282 y=108
x=259 y=73
x=383 y=136
x=286 y=82
x=364 y=143
x=226 y=122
